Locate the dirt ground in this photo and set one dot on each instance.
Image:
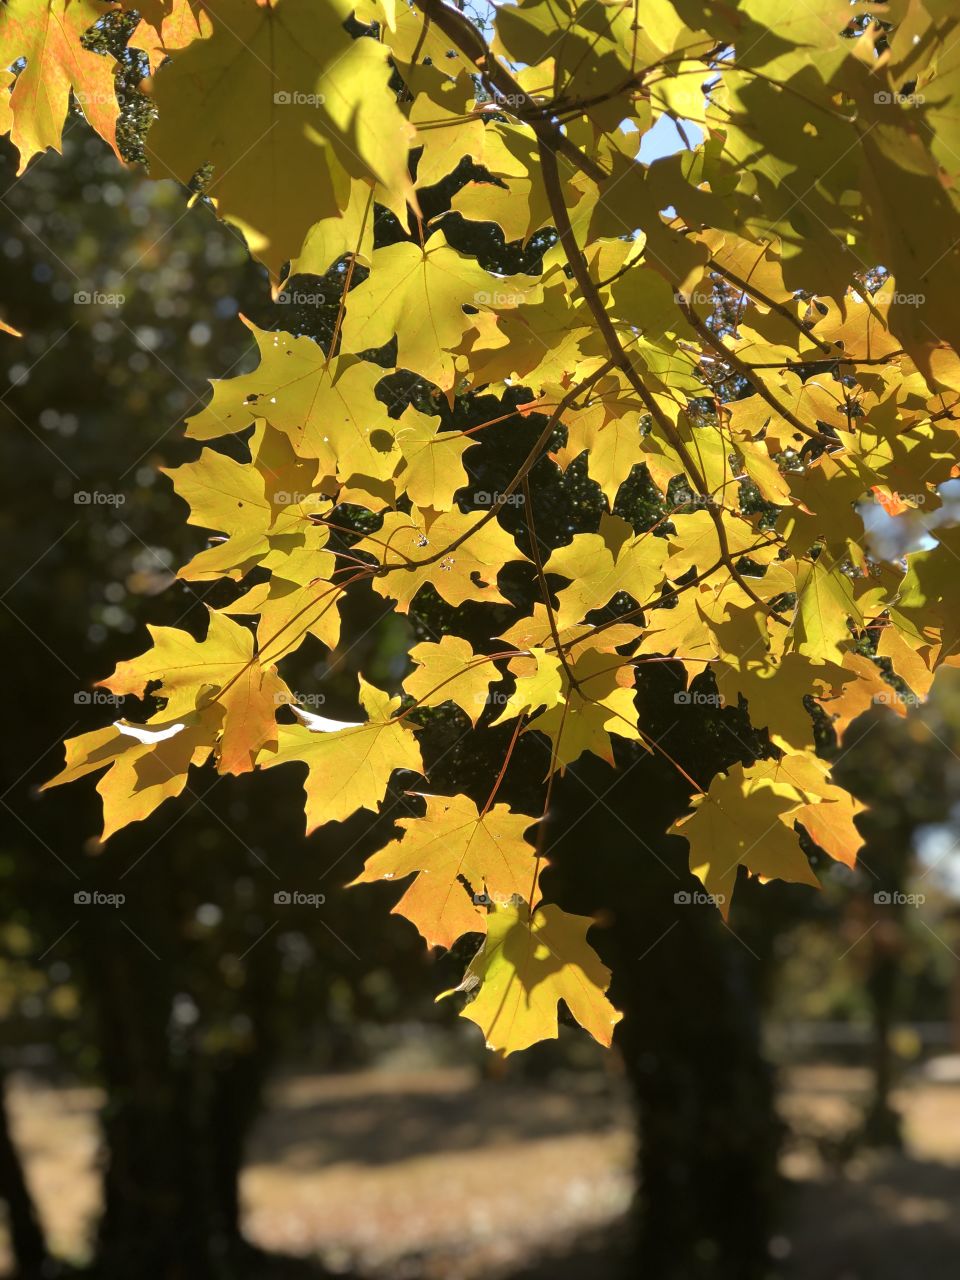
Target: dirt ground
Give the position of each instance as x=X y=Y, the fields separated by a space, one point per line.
x=438 y=1173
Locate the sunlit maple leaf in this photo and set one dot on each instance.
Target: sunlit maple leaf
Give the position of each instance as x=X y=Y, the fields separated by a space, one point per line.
x=47 y=33
x=328 y=410
x=418 y=295
x=455 y=553
x=526 y=966
x=728 y=830
x=539 y=684
x=161 y=34
x=282 y=104
x=222 y=667
x=450 y=671
x=263 y=506
x=348 y=766
x=462 y=857
x=598 y=700
x=146 y=764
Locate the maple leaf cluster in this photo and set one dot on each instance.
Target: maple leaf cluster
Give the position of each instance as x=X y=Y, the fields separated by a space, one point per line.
x=764 y=322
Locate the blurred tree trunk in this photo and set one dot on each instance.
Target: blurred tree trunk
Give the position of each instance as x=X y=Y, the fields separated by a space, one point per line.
x=171 y=1190
x=690 y=991
x=26 y=1234
x=882 y=1123
x=156 y=1216
x=707 y=1132
x=882 y=1126
x=175 y=1125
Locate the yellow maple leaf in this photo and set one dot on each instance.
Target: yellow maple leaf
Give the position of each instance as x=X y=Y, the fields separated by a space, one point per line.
x=418 y=295
x=414 y=552
x=739 y=824
x=433 y=469
x=451 y=843
x=526 y=966
x=348 y=765
x=539 y=684
x=222 y=667
x=600 y=702
x=599 y=565
x=279 y=100
x=298 y=600
x=450 y=671
x=328 y=410
x=824 y=603
x=266 y=503
x=146 y=764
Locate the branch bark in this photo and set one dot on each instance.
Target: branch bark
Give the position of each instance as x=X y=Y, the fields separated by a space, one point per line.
x=461 y=31
x=578 y=266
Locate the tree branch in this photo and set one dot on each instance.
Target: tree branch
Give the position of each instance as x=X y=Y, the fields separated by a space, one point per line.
x=458 y=28
x=577 y=263
x=780 y=308
x=710 y=339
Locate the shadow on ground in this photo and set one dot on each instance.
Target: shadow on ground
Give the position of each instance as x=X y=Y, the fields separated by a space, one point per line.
x=440 y=1174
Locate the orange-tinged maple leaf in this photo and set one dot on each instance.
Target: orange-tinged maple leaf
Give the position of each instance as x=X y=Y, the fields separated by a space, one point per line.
x=47 y=33
x=221 y=668
x=161 y=34
x=453 y=842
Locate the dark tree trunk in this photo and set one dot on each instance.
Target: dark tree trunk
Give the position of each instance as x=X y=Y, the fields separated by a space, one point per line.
x=882 y=1125
x=172 y=1208
x=26 y=1234
x=690 y=991
x=174 y=1125
x=155 y=1222
x=707 y=1134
